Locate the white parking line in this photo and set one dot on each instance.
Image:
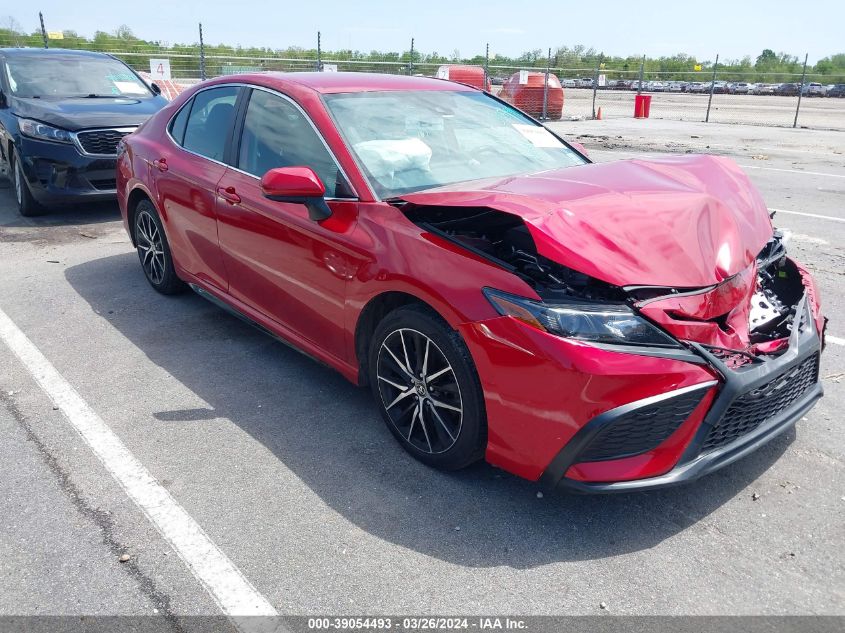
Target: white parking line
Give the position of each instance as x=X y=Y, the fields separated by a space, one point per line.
x=834 y=339
x=794 y=171
x=234 y=594
x=808 y=215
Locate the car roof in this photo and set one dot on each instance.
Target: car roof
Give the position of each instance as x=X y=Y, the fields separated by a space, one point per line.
x=47 y=52
x=348 y=82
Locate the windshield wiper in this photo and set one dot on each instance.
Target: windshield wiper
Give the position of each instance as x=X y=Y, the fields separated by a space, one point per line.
x=93 y=95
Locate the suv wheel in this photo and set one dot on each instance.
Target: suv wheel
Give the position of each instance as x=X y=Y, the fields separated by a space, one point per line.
x=27 y=205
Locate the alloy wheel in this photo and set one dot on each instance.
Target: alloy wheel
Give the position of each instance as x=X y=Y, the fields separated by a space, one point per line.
x=150 y=247
x=419 y=391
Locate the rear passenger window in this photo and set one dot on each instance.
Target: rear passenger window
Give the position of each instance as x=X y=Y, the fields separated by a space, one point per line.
x=210 y=121
x=276 y=134
x=177 y=125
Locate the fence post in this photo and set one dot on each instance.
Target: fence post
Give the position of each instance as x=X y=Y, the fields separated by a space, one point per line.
x=411 y=61
x=642 y=67
x=202 y=56
x=546 y=86
x=486 y=65
x=712 y=86
x=801 y=90
x=43 y=30
x=319 y=61
x=596 y=82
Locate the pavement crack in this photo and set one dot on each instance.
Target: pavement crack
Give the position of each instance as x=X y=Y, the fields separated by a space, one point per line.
x=98 y=517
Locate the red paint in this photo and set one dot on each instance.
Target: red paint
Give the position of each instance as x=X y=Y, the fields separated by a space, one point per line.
x=681 y=221
x=677 y=221
x=294 y=182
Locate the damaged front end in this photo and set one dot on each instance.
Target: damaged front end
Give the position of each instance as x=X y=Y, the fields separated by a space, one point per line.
x=749 y=314
x=758 y=333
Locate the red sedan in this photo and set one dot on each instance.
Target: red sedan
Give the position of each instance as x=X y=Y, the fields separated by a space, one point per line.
x=599 y=327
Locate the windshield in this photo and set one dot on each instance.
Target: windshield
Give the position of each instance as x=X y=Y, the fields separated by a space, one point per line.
x=412 y=140
x=72 y=76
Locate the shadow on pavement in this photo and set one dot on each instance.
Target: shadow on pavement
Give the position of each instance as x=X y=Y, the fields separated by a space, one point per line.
x=77 y=214
x=330 y=435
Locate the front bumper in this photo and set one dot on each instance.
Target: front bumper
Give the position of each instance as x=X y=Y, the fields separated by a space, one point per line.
x=57 y=173
x=753 y=405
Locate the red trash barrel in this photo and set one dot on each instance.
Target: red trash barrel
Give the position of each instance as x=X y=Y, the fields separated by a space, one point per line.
x=642 y=106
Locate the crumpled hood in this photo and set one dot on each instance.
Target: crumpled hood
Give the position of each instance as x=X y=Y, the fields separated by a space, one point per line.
x=79 y=113
x=681 y=221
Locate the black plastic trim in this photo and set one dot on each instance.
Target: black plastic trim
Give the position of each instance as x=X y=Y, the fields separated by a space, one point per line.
x=556 y=470
x=803 y=343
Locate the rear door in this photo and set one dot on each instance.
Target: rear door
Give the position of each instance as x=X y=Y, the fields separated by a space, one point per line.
x=292 y=269
x=186 y=177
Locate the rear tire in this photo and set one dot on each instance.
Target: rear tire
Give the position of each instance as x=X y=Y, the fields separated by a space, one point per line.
x=154 y=251
x=427 y=389
x=27 y=205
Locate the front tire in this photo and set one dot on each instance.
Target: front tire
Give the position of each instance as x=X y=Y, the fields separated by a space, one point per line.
x=27 y=205
x=154 y=251
x=427 y=389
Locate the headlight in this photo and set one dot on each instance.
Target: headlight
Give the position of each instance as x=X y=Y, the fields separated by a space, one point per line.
x=593 y=322
x=44 y=132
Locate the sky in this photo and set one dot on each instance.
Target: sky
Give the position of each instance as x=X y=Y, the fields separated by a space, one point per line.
x=732 y=28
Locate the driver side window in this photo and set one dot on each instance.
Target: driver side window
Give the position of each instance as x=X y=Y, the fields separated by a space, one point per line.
x=276 y=134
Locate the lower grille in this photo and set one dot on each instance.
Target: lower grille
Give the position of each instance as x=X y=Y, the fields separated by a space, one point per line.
x=642 y=429
x=101 y=141
x=755 y=407
x=105 y=184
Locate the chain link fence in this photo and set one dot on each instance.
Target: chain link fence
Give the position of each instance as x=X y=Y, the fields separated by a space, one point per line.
x=546 y=86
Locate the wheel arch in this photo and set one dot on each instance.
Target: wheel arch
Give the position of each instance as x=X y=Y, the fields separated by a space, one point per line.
x=375 y=310
x=133 y=199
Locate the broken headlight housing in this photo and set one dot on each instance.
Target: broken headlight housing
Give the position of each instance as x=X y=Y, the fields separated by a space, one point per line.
x=609 y=323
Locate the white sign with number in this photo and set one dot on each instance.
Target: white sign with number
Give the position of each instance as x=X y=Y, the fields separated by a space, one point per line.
x=602 y=80
x=160 y=69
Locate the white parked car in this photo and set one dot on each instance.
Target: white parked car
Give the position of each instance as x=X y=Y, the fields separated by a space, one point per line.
x=742 y=88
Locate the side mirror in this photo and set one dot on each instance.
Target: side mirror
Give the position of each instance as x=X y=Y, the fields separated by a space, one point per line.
x=581 y=148
x=297 y=184
x=155 y=88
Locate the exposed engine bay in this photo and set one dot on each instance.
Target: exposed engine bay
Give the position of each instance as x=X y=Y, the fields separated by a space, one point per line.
x=779 y=289
x=504 y=239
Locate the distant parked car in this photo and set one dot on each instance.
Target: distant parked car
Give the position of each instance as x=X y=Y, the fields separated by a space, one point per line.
x=719 y=88
x=787 y=90
x=657 y=86
x=585 y=82
x=765 y=89
x=62 y=116
x=813 y=90
x=698 y=87
x=742 y=88
x=838 y=90
x=569 y=83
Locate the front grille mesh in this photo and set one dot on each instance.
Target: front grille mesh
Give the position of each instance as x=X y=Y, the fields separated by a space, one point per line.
x=100 y=141
x=642 y=429
x=753 y=408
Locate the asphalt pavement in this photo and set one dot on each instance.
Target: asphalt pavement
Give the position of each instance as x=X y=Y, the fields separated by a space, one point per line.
x=291 y=474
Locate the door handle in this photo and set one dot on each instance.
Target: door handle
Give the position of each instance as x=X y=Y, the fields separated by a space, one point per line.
x=229 y=194
x=160 y=164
